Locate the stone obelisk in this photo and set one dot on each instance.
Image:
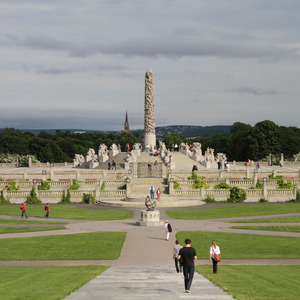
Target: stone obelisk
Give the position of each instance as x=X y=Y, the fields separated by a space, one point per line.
x=149 y=124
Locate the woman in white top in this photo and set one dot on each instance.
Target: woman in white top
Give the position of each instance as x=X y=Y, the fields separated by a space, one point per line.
x=214 y=249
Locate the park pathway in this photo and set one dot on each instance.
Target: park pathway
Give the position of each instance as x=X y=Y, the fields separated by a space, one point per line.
x=136 y=282
x=145 y=269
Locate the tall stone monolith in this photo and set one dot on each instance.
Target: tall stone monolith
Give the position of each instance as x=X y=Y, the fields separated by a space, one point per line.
x=149 y=124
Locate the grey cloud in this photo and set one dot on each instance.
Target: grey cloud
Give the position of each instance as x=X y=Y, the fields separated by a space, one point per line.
x=254 y=91
x=60 y=71
x=167 y=46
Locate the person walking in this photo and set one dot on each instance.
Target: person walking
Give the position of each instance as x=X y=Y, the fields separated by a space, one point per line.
x=114 y=165
x=188 y=255
x=214 y=249
x=158 y=192
x=152 y=192
x=23 y=208
x=176 y=250
x=47 y=210
x=167 y=230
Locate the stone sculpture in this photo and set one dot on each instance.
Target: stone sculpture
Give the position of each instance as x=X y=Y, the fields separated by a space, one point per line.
x=90 y=155
x=113 y=150
x=150 y=203
x=103 y=153
x=78 y=160
x=149 y=121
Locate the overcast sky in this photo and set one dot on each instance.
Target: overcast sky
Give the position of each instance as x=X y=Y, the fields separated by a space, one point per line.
x=82 y=63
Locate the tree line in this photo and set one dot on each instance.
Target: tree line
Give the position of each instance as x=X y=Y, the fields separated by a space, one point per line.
x=243 y=143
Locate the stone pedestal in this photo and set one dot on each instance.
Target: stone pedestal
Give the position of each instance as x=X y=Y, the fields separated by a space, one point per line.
x=150 y=218
x=93 y=164
x=103 y=158
x=113 y=152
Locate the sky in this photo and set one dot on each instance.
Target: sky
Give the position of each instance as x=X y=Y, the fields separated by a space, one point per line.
x=81 y=64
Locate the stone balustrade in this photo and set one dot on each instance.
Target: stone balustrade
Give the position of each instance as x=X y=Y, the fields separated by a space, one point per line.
x=113 y=194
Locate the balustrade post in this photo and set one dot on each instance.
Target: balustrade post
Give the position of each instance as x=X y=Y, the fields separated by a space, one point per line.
x=247 y=172
x=128 y=187
x=171 y=186
x=295 y=189
x=265 y=191
x=203 y=192
x=255 y=177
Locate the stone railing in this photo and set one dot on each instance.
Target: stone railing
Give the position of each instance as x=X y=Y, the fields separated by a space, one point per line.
x=50 y=194
x=19 y=194
x=112 y=194
x=252 y=195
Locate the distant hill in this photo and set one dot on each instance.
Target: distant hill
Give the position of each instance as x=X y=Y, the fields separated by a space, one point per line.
x=189 y=131
x=186 y=131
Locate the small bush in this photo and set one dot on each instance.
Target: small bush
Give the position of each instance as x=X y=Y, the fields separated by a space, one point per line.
x=32 y=198
x=193 y=177
x=12 y=186
x=176 y=185
x=44 y=186
x=210 y=200
x=282 y=184
x=259 y=185
x=237 y=195
x=85 y=198
x=263 y=200
x=66 y=199
x=222 y=186
x=3 y=200
x=102 y=188
x=271 y=176
x=75 y=185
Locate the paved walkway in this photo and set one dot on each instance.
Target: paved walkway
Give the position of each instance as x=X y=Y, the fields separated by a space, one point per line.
x=146 y=283
x=145 y=268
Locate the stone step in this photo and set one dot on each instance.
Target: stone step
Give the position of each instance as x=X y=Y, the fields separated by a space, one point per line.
x=148 y=181
x=140 y=203
x=145 y=190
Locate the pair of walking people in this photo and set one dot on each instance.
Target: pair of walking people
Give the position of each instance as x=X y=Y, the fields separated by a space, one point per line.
x=185 y=257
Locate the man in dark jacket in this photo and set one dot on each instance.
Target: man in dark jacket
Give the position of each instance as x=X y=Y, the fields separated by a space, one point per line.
x=188 y=256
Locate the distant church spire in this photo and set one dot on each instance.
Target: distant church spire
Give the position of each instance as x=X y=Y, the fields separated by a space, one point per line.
x=126 y=125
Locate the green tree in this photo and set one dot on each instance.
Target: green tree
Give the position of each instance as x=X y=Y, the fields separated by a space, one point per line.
x=264 y=139
x=171 y=139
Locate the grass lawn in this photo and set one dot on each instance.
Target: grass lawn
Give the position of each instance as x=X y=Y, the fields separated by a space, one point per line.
x=27 y=229
x=272 y=220
x=83 y=246
x=51 y=283
x=256 y=282
x=271 y=228
x=67 y=212
x=234 y=211
x=242 y=246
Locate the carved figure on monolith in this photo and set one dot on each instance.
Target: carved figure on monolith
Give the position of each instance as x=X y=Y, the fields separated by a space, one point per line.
x=149 y=124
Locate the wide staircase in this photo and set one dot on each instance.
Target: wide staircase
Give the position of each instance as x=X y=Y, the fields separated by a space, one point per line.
x=140 y=188
x=145 y=178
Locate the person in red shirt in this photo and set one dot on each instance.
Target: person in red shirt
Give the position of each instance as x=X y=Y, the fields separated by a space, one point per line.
x=47 y=210
x=23 y=207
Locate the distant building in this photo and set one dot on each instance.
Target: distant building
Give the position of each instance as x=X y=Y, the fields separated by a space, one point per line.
x=126 y=125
